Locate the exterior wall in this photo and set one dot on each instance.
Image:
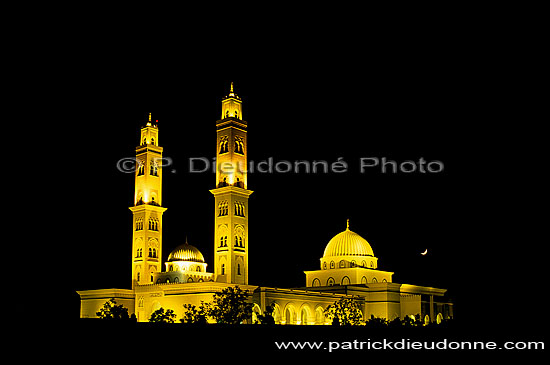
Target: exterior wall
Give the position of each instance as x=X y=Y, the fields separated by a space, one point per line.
x=149 y=298
x=91 y=301
x=293 y=306
x=347 y=276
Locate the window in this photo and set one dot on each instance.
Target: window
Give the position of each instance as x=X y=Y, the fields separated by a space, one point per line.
x=223 y=208
x=224 y=144
x=324 y=265
x=236 y=114
x=152 y=141
x=353 y=263
x=139 y=224
x=342 y=263
x=238 y=269
x=139 y=252
x=154 y=169
x=330 y=282
x=332 y=264
x=345 y=280
x=316 y=282
x=223 y=241
x=198 y=268
x=239 y=145
x=239 y=209
x=153 y=224
x=141 y=168
x=223 y=269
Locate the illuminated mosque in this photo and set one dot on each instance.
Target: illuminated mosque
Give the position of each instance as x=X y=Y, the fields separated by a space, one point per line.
x=348 y=268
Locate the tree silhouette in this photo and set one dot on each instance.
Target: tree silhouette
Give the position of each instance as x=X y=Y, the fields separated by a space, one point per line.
x=231 y=306
x=193 y=314
x=161 y=316
x=345 y=312
x=112 y=311
x=267 y=317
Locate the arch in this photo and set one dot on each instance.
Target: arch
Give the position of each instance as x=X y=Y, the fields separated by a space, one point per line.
x=364 y=280
x=384 y=280
x=426 y=320
x=324 y=265
x=342 y=263
x=330 y=281
x=346 y=281
x=290 y=314
x=319 y=315
x=156 y=306
x=256 y=311
x=374 y=280
x=332 y=264
x=277 y=313
x=306 y=315
x=190 y=280
x=439 y=318
x=316 y=282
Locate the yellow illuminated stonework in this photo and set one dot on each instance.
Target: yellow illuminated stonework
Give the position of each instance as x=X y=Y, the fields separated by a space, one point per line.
x=348 y=267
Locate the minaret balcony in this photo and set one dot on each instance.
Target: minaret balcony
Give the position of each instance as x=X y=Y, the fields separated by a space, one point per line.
x=141 y=202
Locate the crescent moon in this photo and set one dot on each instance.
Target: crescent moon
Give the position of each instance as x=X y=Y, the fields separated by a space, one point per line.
x=424 y=253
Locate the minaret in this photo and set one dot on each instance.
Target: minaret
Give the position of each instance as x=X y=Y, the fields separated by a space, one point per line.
x=231 y=194
x=147 y=210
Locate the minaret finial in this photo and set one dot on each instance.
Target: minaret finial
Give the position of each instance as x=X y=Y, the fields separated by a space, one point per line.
x=149 y=116
x=231 y=90
x=347 y=225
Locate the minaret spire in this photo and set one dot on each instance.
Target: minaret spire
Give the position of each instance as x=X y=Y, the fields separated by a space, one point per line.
x=347 y=225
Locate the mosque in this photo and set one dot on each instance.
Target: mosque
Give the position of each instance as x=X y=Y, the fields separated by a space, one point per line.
x=348 y=268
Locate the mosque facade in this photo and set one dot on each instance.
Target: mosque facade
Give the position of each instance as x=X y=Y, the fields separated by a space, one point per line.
x=348 y=268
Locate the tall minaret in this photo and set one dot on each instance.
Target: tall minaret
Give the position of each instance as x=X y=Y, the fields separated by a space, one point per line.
x=147 y=210
x=231 y=194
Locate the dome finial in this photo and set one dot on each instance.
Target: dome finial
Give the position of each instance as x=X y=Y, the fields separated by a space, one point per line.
x=347 y=224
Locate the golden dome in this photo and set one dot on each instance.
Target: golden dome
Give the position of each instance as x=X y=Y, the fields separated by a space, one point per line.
x=186 y=252
x=348 y=243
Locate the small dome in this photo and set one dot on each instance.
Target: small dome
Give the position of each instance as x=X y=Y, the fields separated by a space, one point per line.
x=348 y=243
x=186 y=252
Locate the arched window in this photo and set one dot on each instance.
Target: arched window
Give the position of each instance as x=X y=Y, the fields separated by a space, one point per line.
x=190 y=280
x=151 y=253
x=227 y=113
x=324 y=265
x=330 y=282
x=152 y=141
x=316 y=282
x=342 y=263
x=364 y=280
x=353 y=263
x=170 y=268
x=332 y=264
x=223 y=269
x=224 y=144
x=236 y=114
x=176 y=280
x=138 y=275
x=238 y=269
x=345 y=280
x=154 y=169
x=374 y=280
x=139 y=224
x=154 y=253
x=141 y=168
x=198 y=268
x=144 y=141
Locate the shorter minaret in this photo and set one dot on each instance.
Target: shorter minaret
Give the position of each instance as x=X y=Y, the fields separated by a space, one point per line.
x=147 y=209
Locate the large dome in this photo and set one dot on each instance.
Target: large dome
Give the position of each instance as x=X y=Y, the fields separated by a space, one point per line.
x=186 y=252
x=348 y=243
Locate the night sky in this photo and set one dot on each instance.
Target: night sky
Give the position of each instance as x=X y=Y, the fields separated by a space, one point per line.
x=431 y=105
